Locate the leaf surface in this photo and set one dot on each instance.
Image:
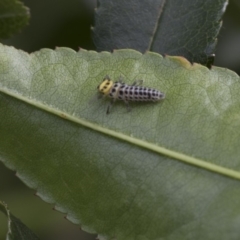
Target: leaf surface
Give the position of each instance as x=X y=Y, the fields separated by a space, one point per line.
x=167 y=170
x=174 y=27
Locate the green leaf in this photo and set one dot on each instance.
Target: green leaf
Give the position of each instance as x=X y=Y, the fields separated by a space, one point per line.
x=16 y=229
x=184 y=28
x=13 y=17
x=167 y=170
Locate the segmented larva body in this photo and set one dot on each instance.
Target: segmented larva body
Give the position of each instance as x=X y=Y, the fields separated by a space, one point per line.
x=122 y=91
x=125 y=92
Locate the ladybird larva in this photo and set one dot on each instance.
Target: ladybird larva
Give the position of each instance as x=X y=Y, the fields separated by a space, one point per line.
x=121 y=91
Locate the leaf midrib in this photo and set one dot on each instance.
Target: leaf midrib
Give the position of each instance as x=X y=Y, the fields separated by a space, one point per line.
x=133 y=140
x=156 y=25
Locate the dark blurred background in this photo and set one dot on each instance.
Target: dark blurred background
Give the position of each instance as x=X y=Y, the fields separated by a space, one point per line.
x=67 y=23
x=56 y=23
x=228 y=47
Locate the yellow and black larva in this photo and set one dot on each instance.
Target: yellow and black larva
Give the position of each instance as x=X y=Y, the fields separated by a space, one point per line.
x=121 y=91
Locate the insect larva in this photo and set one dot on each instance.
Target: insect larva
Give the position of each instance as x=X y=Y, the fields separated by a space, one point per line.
x=121 y=91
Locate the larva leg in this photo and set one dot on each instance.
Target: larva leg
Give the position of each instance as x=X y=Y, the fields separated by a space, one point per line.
x=99 y=96
x=120 y=80
x=95 y=97
x=110 y=106
x=137 y=83
x=107 y=77
x=128 y=106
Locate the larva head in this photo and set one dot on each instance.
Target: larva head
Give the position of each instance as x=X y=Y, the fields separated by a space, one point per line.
x=105 y=86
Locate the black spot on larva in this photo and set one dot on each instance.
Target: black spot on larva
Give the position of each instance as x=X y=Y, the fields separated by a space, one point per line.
x=115 y=85
x=121 y=92
x=149 y=95
x=140 y=97
x=136 y=92
x=154 y=94
x=131 y=93
x=145 y=93
x=119 y=97
x=140 y=88
x=126 y=88
x=131 y=97
x=131 y=88
x=126 y=92
x=110 y=94
x=113 y=90
x=140 y=93
x=136 y=98
x=122 y=86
